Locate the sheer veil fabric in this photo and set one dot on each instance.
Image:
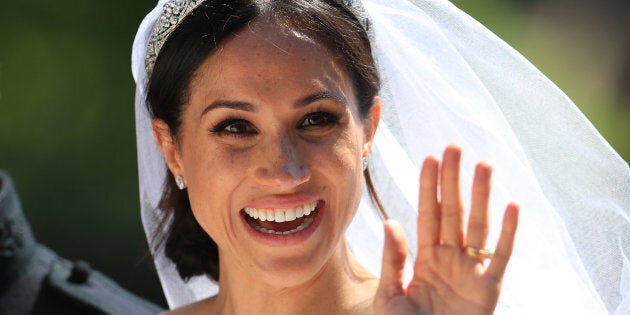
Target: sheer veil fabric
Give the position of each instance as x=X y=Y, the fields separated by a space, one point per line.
x=446 y=78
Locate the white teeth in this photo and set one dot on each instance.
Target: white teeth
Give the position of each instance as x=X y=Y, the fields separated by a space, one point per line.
x=281 y=215
x=289 y=215
x=301 y=227
x=252 y=213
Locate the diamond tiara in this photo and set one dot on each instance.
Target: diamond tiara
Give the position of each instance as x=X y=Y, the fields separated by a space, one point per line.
x=173 y=13
x=348 y=3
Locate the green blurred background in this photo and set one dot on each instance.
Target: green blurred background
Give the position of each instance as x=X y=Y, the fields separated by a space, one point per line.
x=67 y=123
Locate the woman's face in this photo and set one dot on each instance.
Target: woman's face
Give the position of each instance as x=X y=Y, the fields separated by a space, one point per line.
x=270 y=149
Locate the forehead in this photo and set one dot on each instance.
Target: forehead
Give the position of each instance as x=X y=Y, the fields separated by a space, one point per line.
x=264 y=50
x=266 y=36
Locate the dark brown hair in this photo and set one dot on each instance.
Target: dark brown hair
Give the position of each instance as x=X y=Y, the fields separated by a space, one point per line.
x=332 y=25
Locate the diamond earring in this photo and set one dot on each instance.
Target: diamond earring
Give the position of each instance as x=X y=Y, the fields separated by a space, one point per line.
x=179 y=180
x=365 y=163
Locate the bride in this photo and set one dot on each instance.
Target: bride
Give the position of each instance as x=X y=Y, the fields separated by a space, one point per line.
x=259 y=122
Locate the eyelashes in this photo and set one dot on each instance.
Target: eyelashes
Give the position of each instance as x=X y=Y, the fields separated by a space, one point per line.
x=240 y=127
x=319 y=119
x=234 y=127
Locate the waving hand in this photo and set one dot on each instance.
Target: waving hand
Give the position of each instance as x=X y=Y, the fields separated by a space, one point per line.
x=450 y=276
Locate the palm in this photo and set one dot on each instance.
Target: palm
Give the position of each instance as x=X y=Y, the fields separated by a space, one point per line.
x=452 y=283
x=446 y=279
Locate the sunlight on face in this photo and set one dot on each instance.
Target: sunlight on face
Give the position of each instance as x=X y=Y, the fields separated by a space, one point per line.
x=270 y=146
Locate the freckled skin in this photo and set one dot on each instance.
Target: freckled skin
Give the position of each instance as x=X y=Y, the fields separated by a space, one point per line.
x=272 y=70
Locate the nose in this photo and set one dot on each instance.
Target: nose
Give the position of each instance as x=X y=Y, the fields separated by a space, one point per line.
x=283 y=165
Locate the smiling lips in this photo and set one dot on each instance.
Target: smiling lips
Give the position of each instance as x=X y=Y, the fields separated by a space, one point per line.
x=281 y=221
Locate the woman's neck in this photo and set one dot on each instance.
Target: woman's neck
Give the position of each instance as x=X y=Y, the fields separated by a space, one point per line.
x=342 y=286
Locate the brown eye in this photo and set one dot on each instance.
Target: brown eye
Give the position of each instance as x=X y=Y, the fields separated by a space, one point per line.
x=235 y=127
x=319 y=119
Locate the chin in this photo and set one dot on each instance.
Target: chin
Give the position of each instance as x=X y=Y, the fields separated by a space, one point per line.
x=296 y=266
x=292 y=273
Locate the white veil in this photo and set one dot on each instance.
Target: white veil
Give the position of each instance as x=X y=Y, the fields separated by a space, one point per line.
x=446 y=78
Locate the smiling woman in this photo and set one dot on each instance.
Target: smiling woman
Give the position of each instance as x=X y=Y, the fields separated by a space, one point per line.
x=261 y=117
x=266 y=129
x=270 y=154
x=272 y=139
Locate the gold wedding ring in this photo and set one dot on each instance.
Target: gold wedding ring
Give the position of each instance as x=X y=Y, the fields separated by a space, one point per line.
x=478 y=252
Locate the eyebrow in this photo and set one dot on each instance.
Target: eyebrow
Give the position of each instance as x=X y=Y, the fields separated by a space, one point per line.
x=248 y=107
x=244 y=106
x=321 y=95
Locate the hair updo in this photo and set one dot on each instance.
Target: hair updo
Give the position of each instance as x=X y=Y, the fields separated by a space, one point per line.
x=195 y=39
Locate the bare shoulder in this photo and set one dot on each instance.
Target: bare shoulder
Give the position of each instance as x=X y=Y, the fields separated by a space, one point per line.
x=200 y=307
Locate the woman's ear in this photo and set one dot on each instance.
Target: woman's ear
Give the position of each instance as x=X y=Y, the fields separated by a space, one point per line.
x=371 y=124
x=169 y=147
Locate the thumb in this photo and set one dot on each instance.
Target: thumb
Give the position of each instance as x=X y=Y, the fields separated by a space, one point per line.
x=394 y=256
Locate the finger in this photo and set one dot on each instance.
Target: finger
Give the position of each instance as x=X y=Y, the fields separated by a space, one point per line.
x=452 y=210
x=477 y=231
x=428 y=212
x=394 y=256
x=506 y=242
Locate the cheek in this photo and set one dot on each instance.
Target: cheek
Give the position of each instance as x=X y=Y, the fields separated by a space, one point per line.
x=345 y=170
x=214 y=176
x=211 y=166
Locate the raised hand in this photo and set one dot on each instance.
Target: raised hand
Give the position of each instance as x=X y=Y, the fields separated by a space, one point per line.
x=450 y=276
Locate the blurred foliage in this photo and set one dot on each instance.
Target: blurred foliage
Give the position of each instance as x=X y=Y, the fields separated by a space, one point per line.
x=67 y=122
x=67 y=130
